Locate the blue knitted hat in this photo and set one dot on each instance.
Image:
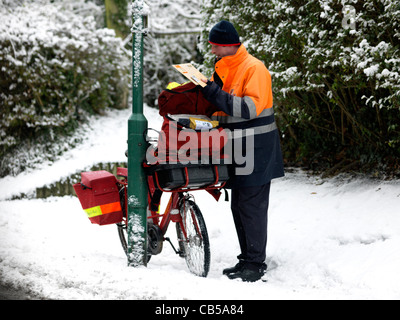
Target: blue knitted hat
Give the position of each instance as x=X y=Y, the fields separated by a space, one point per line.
x=224 y=34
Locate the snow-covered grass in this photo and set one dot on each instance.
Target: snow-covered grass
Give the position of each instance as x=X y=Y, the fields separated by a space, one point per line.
x=328 y=239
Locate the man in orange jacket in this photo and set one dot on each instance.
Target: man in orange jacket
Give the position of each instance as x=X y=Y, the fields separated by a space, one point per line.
x=241 y=89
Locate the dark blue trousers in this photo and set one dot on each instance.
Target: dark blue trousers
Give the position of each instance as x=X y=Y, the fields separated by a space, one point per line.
x=249 y=207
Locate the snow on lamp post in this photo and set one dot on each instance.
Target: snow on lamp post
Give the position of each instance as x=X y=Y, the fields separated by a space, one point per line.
x=137 y=125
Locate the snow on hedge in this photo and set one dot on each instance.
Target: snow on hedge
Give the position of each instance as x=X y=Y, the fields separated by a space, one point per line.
x=336 y=73
x=55 y=66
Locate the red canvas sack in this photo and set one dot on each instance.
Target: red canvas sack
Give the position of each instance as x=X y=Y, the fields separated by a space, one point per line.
x=99 y=196
x=208 y=143
x=184 y=99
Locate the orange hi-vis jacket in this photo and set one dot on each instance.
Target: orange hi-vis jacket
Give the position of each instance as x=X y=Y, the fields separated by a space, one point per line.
x=241 y=89
x=246 y=77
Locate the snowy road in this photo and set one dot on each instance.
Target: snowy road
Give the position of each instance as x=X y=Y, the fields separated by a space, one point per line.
x=328 y=239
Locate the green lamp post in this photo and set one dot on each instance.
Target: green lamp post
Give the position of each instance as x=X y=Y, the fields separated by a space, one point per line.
x=137 y=125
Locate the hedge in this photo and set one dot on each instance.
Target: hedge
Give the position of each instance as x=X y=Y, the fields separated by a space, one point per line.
x=55 y=68
x=336 y=77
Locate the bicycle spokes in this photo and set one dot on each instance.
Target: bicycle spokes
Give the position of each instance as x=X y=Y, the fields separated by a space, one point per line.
x=194 y=244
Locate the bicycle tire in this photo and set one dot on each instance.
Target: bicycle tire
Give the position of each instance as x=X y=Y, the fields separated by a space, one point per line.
x=123 y=236
x=196 y=250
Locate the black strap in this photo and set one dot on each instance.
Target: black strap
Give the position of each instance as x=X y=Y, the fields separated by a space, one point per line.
x=155 y=199
x=178 y=92
x=85 y=187
x=226 y=194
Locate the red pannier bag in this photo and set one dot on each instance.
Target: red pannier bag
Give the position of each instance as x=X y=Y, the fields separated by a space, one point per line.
x=177 y=143
x=185 y=99
x=99 y=196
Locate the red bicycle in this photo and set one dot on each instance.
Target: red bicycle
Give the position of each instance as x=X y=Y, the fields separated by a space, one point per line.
x=104 y=199
x=178 y=180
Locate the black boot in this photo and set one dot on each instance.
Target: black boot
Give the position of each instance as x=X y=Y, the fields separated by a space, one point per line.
x=234 y=269
x=250 y=272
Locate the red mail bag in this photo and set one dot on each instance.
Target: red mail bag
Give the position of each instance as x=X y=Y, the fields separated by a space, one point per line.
x=98 y=194
x=184 y=99
x=192 y=145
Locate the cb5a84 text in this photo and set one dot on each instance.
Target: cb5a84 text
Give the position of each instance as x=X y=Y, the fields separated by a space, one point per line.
x=218 y=309
x=204 y=309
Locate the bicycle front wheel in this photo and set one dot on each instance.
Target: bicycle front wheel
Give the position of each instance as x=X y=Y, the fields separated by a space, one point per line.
x=193 y=238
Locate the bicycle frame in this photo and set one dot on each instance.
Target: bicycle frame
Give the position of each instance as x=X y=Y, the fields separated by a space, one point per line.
x=193 y=240
x=172 y=212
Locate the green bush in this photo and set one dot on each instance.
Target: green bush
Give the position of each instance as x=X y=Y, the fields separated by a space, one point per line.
x=55 y=67
x=336 y=76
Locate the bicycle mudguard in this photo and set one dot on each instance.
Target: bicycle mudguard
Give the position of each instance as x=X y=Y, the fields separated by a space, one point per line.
x=99 y=197
x=216 y=193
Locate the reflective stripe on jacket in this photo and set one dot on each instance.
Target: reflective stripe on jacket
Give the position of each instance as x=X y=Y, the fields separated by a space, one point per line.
x=241 y=88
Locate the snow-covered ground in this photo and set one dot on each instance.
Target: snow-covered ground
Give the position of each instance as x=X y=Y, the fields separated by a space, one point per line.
x=328 y=239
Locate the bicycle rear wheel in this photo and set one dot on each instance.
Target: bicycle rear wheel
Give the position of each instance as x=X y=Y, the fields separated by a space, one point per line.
x=123 y=237
x=123 y=226
x=195 y=247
